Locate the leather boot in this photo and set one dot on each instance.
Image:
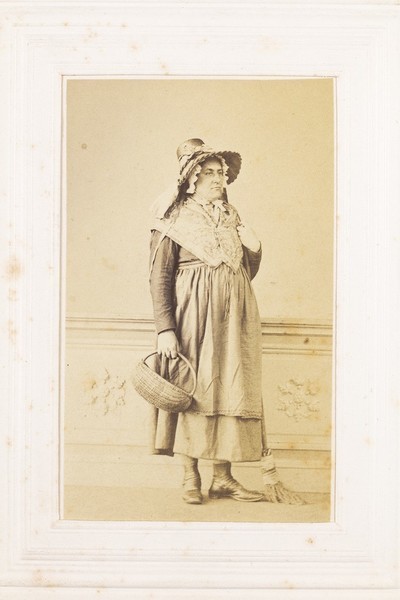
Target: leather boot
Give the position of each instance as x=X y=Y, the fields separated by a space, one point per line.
x=225 y=486
x=191 y=481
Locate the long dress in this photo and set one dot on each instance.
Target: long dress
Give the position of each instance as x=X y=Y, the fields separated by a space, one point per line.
x=205 y=294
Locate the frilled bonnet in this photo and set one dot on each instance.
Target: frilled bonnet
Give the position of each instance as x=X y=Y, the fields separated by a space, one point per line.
x=192 y=153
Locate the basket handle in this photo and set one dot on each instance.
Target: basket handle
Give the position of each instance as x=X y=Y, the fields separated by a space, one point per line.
x=185 y=360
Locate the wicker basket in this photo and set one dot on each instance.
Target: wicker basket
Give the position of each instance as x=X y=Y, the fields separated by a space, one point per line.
x=160 y=392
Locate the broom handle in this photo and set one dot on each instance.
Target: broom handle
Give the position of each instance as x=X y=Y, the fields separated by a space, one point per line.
x=264 y=442
x=185 y=360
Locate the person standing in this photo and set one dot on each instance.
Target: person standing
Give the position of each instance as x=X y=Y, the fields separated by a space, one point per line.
x=203 y=258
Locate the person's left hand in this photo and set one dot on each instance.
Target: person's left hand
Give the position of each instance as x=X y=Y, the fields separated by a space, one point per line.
x=248 y=237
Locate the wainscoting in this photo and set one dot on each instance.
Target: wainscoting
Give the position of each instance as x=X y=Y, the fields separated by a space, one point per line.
x=105 y=421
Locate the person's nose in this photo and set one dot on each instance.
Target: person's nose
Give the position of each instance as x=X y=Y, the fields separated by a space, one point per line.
x=217 y=178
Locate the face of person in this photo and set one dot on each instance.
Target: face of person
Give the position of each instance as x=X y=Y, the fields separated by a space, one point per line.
x=210 y=181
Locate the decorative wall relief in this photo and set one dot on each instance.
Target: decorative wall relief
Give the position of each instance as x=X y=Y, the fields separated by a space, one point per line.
x=298 y=399
x=106 y=393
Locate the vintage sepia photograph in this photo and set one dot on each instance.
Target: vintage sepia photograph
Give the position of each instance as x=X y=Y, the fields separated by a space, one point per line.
x=199 y=299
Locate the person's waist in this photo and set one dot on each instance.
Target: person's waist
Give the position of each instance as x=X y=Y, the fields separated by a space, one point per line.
x=189 y=264
x=192 y=264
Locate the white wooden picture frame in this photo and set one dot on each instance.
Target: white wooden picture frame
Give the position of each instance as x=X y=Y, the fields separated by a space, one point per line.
x=356 y=555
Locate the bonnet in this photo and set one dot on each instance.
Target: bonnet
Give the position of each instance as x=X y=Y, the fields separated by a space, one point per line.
x=191 y=153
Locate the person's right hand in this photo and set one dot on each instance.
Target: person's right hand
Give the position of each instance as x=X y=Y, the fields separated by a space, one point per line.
x=167 y=344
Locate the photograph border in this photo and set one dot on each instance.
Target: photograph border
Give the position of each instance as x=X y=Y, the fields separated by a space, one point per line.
x=357 y=555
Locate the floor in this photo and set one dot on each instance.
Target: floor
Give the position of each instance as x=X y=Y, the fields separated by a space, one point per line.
x=152 y=504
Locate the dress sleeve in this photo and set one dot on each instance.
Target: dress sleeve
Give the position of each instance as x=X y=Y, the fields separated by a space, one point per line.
x=162 y=281
x=251 y=261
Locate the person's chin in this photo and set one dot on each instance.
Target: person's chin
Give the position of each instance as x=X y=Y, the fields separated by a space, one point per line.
x=216 y=194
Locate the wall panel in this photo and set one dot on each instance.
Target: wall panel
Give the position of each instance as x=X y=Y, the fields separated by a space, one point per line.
x=106 y=422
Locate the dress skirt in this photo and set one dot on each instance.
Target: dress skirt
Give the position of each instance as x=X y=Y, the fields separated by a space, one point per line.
x=219 y=331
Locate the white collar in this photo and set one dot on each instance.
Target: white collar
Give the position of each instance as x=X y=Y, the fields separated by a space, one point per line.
x=203 y=202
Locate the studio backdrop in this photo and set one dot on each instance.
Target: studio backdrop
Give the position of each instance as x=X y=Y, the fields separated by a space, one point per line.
x=122 y=136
